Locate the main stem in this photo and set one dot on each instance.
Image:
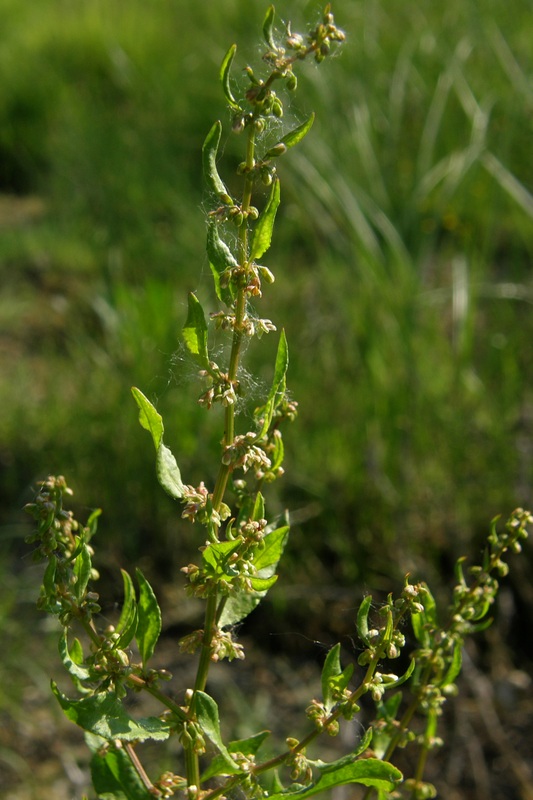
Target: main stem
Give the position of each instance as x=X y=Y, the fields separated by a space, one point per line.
x=210 y=621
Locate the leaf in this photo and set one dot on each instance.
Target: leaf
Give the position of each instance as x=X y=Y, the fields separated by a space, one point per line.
x=149 y=622
x=262 y=584
x=265 y=224
x=362 y=619
x=82 y=571
x=225 y=68
x=104 y=715
x=238 y=606
x=209 y=160
x=278 y=384
x=195 y=331
x=49 y=584
x=291 y=138
x=268 y=24
x=220 y=260
x=71 y=659
x=403 y=678
x=149 y=417
x=127 y=624
x=167 y=470
x=259 y=507
x=115 y=778
x=297 y=134
x=216 y=558
x=455 y=667
x=208 y=719
x=366 y=771
x=272 y=551
x=331 y=668
x=349 y=758
x=334 y=680
x=247 y=747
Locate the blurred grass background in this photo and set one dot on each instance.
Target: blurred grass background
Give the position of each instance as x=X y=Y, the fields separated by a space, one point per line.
x=404 y=280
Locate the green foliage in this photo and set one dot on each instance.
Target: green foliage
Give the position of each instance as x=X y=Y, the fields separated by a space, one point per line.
x=241 y=548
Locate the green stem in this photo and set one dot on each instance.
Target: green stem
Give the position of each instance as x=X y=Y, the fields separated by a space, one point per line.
x=205 y=653
x=192 y=767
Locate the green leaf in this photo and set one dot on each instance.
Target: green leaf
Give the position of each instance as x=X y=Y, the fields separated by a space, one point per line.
x=262 y=584
x=277 y=389
x=167 y=470
x=366 y=771
x=149 y=622
x=297 y=134
x=195 y=331
x=265 y=224
x=259 y=507
x=331 y=669
x=268 y=25
x=239 y=605
x=247 y=747
x=291 y=138
x=274 y=544
x=127 y=624
x=403 y=678
x=225 y=68
x=104 y=715
x=49 y=577
x=115 y=778
x=72 y=659
x=209 y=160
x=208 y=719
x=82 y=571
x=430 y=608
x=149 y=417
x=362 y=619
x=220 y=260
x=349 y=758
x=455 y=667
x=334 y=679
x=216 y=558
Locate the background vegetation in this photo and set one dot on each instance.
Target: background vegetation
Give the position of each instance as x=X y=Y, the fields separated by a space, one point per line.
x=405 y=285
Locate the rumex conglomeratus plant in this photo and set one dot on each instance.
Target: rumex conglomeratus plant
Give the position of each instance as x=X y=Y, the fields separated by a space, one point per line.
x=240 y=547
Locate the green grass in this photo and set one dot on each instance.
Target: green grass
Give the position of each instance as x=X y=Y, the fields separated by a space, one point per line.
x=403 y=254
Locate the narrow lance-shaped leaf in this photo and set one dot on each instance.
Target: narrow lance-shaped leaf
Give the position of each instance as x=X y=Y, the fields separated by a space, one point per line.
x=195 y=331
x=278 y=384
x=265 y=223
x=209 y=159
x=291 y=138
x=68 y=657
x=455 y=667
x=362 y=618
x=331 y=669
x=149 y=622
x=167 y=470
x=221 y=259
x=268 y=27
x=82 y=571
x=225 y=68
x=149 y=418
x=127 y=624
